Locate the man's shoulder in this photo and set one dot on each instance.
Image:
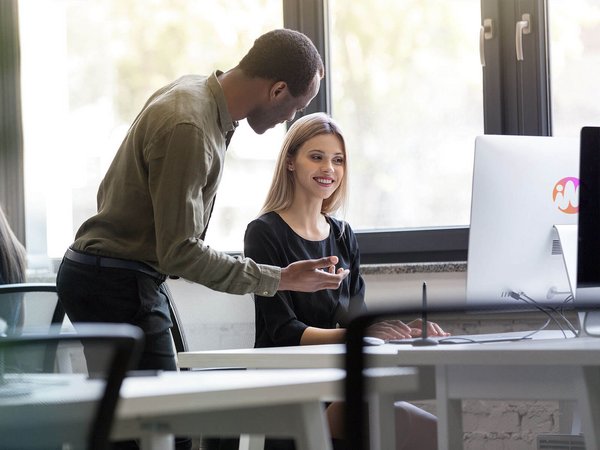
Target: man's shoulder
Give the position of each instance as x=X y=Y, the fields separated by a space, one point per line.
x=185 y=101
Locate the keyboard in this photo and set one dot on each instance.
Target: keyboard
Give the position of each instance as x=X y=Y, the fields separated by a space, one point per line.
x=469 y=338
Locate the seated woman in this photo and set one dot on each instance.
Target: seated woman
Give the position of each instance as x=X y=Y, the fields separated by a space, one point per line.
x=311 y=183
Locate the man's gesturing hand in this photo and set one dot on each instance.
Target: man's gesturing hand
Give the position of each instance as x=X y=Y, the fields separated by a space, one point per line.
x=312 y=275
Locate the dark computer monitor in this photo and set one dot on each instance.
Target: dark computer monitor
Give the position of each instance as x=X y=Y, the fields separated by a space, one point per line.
x=587 y=296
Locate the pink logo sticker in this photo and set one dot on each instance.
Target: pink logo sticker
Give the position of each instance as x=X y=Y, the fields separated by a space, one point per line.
x=566 y=195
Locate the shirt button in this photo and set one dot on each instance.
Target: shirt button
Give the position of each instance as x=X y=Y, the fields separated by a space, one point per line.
x=266 y=293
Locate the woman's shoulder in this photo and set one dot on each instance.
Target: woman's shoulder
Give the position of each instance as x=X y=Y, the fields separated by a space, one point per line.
x=340 y=226
x=266 y=222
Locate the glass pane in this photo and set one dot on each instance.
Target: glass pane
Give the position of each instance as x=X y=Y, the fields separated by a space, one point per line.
x=574 y=28
x=407 y=90
x=88 y=68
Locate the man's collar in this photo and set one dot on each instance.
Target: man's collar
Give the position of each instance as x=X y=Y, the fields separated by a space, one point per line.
x=225 y=121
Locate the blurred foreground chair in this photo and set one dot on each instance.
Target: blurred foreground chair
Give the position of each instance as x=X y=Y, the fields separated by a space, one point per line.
x=30 y=306
x=72 y=404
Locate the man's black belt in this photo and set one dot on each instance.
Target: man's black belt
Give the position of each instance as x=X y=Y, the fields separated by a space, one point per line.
x=114 y=263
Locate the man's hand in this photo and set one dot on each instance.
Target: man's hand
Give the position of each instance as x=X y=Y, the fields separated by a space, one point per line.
x=308 y=276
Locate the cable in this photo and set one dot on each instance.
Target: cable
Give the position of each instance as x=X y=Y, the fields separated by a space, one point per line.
x=557 y=311
x=568 y=299
x=524 y=298
x=527 y=336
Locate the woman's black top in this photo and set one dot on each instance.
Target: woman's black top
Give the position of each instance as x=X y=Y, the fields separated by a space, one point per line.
x=281 y=320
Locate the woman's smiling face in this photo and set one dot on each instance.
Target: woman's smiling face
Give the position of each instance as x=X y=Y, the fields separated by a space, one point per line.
x=319 y=166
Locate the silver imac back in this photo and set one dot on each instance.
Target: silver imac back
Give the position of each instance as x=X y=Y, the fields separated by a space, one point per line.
x=522 y=187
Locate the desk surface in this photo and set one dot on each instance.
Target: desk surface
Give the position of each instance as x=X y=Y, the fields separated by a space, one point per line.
x=233 y=402
x=547 y=347
x=210 y=390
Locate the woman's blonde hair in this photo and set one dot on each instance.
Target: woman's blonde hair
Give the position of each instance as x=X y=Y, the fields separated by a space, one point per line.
x=281 y=192
x=12 y=254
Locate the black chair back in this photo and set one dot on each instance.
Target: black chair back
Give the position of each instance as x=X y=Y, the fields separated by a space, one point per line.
x=73 y=403
x=29 y=305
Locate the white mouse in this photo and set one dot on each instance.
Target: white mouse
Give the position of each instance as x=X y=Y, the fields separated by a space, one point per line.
x=370 y=340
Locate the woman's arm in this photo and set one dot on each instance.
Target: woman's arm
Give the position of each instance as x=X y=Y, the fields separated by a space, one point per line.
x=276 y=320
x=313 y=336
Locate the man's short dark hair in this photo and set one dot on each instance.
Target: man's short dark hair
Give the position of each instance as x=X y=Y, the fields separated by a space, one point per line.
x=284 y=55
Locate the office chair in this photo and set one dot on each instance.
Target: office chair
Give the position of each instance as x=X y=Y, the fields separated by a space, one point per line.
x=179 y=339
x=30 y=305
x=73 y=405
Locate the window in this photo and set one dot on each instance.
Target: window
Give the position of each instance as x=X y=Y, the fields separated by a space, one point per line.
x=406 y=87
x=404 y=80
x=574 y=61
x=87 y=69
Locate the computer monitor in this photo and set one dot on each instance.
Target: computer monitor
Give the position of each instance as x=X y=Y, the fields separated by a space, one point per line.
x=522 y=187
x=588 y=233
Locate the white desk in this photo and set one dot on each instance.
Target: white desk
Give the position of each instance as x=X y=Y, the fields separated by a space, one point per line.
x=306 y=356
x=155 y=408
x=226 y=403
x=558 y=369
x=380 y=396
x=547 y=367
x=286 y=403
x=296 y=357
x=380 y=400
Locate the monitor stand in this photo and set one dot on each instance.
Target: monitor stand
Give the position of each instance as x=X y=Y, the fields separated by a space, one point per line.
x=566 y=240
x=589 y=323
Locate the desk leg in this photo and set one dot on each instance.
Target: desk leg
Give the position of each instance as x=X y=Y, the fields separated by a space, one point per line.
x=252 y=442
x=589 y=401
x=313 y=432
x=152 y=440
x=382 y=426
x=569 y=421
x=449 y=413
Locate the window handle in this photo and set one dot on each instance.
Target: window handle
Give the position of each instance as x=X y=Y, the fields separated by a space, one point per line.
x=523 y=27
x=486 y=32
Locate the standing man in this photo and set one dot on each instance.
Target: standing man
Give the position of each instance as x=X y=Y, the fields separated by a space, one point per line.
x=155 y=201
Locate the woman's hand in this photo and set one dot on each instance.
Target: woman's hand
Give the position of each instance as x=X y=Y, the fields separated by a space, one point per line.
x=389 y=329
x=433 y=329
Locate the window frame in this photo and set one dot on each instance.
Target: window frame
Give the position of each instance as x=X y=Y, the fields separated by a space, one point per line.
x=12 y=184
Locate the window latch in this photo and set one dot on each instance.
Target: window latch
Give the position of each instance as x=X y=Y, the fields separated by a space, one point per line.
x=523 y=27
x=486 y=32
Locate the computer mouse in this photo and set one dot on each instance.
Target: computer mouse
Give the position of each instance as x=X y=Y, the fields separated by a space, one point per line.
x=370 y=340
